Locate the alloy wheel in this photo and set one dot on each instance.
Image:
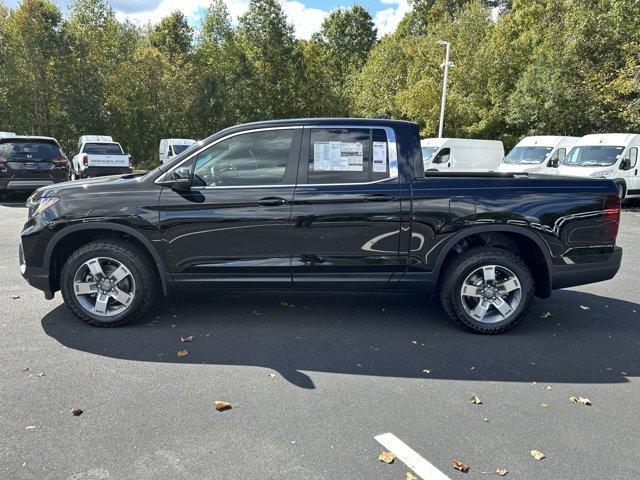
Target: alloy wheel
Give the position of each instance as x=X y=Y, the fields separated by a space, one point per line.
x=104 y=286
x=491 y=294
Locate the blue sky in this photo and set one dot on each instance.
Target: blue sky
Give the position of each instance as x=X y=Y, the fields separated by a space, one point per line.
x=305 y=15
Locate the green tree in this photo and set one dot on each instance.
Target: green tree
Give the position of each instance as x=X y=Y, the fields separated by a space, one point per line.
x=276 y=65
x=33 y=55
x=347 y=36
x=172 y=36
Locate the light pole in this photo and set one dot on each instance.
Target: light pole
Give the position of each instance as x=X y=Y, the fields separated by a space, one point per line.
x=444 y=84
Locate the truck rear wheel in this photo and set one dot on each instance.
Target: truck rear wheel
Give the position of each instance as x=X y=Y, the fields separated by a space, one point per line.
x=487 y=290
x=108 y=283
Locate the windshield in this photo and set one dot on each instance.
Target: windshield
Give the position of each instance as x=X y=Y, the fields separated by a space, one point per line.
x=103 y=149
x=528 y=155
x=178 y=149
x=593 y=156
x=29 y=149
x=427 y=152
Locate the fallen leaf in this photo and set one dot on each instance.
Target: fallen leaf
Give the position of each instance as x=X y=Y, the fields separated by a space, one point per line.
x=410 y=476
x=475 y=400
x=386 y=457
x=545 y=315
x=30 y=427
x=548 y=387
x=544 y=405
x=458 y=465
x=580 y=400
x=183 y=353
x=414 y=342
x=189 y=339
x=41 y=374
x=537 y=454
x=25 y=369
x=284 y=304
x=427 y=371
x=76 y=412
x=15 y=297
x=584 y=308
x=501 y=471
x=272 y=375
x=222 y=406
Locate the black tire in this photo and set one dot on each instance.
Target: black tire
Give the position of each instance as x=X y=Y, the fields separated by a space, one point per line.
x=464 y=265
x=142 y=270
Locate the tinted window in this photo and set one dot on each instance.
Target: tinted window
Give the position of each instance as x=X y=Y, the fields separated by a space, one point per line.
x=340 y=156
x=103 y=149
x=178 y=149
x=443 y=156
x=26 y=148
x=593 y=156
x=258 y=158
x=527 y=155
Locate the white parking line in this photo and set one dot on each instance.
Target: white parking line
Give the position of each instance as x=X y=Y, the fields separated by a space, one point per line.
x=410 y=457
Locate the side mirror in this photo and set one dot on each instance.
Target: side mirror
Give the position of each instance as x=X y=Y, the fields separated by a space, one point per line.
x=555 y=163
x=625 y=164
x=180 y=180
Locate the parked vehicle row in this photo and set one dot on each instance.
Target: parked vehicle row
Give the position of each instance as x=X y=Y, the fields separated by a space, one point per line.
x=540 y=154
x=339 y=204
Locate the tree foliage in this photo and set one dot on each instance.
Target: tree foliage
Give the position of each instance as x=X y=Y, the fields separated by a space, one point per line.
x=519 y=67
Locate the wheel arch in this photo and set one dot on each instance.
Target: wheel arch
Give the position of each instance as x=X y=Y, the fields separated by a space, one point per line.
x=524 y=243
x=623 y=183
x=69 y=239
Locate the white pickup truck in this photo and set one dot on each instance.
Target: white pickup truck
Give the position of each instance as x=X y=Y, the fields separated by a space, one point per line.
x=99 y=155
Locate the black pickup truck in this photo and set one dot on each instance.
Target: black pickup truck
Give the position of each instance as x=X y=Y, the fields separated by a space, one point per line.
x=332 y=204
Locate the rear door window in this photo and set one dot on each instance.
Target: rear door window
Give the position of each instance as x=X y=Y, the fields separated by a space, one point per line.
x=347 y=155
x=103 y=149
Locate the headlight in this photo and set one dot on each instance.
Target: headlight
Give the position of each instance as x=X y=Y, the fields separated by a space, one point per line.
x=603 y=174
x=36 y=207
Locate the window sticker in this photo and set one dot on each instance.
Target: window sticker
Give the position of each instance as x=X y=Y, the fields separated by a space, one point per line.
x=338 y=157
x=380 y=157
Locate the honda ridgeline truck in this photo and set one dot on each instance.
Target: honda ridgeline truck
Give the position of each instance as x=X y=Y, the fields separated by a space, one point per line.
x=331 y=204
x=99 y=155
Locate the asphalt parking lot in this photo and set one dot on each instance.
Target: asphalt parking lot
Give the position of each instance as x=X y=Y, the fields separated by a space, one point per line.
x=312 y=379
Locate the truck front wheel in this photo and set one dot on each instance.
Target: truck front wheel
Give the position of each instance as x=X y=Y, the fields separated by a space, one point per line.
x=107 y=283
x=486 y=290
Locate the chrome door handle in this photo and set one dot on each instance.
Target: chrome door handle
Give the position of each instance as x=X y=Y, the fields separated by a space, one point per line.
x=271 y=201
x=379 y=197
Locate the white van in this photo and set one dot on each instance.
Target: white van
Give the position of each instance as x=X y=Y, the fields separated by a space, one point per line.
x=606 y=155
x=461 y=154
x=7 y=135
x=541 y=154
x=170 y=147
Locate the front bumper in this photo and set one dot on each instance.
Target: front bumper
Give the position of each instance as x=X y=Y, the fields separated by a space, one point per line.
x=588 y=268
x=37 y=277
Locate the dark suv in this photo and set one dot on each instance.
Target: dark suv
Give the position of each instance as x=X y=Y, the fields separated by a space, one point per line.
x=27 y=163
x=340 y=204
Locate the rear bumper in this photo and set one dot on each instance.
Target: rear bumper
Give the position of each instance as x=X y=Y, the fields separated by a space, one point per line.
x=29 y=181
x=36 y=277
x=589 y=269
x=105 y=171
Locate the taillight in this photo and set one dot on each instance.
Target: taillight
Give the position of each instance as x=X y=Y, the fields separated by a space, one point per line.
x=612 y=210
x=130 y=161
x=61 y=161
x=85 y=160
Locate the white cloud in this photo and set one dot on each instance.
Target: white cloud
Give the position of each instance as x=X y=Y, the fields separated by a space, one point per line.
x=387 y=20
x=306 y=21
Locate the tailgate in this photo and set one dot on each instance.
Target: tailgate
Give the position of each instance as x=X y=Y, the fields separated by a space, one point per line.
x=108 y=160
